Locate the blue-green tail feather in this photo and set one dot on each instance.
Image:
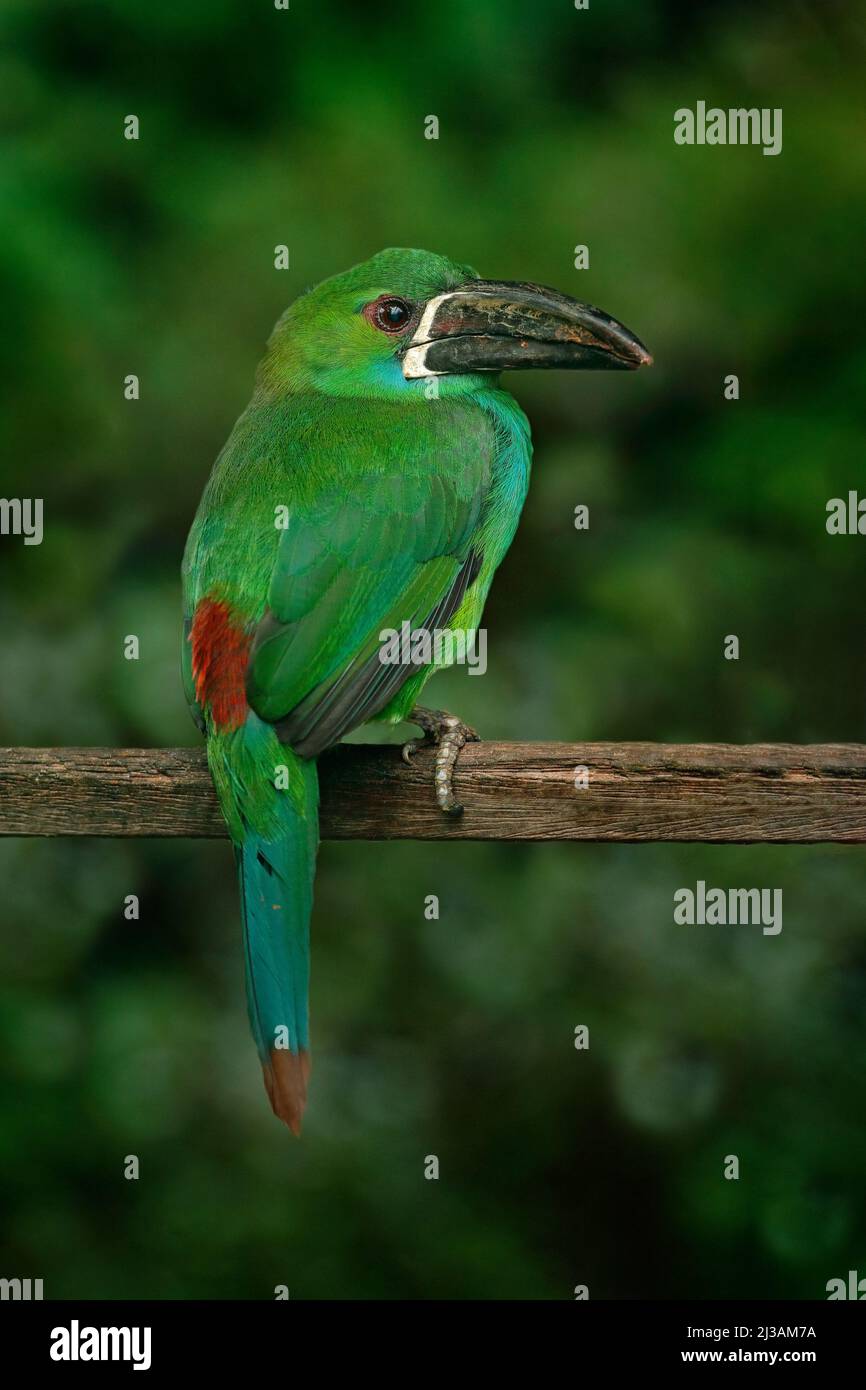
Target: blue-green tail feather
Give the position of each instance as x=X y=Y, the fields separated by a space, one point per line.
x=270 y=798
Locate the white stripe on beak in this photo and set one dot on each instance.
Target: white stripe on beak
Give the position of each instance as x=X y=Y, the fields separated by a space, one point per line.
x=415 y=363
x=414 y=358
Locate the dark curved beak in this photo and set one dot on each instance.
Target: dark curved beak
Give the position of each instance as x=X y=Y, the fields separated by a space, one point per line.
x=494 y=325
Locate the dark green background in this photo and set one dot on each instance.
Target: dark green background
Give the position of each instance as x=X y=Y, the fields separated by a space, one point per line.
x=707 y=518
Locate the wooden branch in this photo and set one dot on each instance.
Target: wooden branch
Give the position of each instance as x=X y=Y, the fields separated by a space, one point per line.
x=511 y=791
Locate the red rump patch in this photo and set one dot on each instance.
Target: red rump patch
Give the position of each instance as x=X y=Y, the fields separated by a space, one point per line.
x=220 y=649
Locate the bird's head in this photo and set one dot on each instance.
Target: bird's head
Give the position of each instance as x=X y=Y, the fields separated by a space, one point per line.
x=385 y=327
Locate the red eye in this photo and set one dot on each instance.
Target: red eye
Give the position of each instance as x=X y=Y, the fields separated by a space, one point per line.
x=389 y=313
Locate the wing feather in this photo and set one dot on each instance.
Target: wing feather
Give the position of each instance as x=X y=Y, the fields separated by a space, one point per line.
x=394 y=546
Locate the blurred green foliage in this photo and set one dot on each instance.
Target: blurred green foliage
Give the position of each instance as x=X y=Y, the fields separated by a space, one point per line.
x=454 y=1037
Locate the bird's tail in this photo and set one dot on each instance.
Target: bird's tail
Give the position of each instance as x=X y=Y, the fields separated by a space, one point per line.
x=269 y=797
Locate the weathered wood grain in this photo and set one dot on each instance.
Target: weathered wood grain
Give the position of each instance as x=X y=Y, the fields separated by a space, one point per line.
x=511 y=791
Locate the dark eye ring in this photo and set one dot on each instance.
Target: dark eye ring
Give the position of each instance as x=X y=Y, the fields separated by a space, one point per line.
x=390 y=314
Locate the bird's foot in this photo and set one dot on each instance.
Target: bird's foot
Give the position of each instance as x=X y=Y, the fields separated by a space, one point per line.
x=447 y=734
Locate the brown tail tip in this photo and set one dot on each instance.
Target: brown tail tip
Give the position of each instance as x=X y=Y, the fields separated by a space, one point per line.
x=286 y=1077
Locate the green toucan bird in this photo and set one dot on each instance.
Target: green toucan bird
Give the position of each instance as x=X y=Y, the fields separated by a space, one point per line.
x=376 y=478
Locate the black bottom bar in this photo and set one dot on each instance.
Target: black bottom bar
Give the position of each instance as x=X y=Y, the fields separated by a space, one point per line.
x=274 y=1339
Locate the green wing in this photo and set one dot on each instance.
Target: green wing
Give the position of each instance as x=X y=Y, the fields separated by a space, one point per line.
x=390 y=543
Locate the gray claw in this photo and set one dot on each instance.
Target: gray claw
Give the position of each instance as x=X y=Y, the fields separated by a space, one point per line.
x=448 y=734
